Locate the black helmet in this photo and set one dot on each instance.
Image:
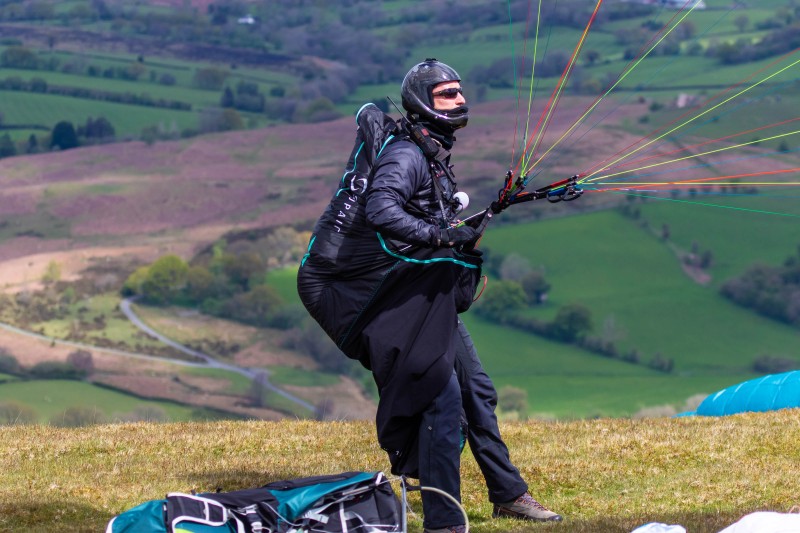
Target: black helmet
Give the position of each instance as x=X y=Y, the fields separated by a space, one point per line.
x=417 y=98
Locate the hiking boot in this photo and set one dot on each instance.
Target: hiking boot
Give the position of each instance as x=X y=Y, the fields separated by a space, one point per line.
x=526 y=508
x=450 y=529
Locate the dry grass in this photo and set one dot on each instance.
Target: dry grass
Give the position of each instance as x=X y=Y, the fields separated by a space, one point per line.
x=607 y=475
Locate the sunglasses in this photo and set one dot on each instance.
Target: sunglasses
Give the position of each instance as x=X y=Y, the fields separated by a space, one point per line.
x=450 y=94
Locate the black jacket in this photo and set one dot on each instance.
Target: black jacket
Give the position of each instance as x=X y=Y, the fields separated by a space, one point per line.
x=387 y=295
x=401 y=202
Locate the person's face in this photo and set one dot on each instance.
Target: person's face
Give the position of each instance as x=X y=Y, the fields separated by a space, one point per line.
x=447 y=96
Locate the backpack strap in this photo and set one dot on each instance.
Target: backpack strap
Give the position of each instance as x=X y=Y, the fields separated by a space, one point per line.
x=437 y=157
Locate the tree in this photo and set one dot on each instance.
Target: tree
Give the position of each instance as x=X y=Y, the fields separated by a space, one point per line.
x=210 y=78
x=503 y=299
x=64 y=136
x=167 y=79
x=33 y=145
x=38 y=85
x=227 y=99
x=512 y=399
x=243 y=269
x=82 y=360
x=200 y=284
x=706 y=259
x=133 y=71
x=56 y=370
x=571 y=322
x=284 y=246
x=514 y=267
x=19 y=57
x=216 y=119
x=165 y=279
x=535 y=287
x=99 y=128
x=52 y=273
x=247 y=87
x=14 y=413
x=133 y=285
x=769 y=364
x=8 y=363
x=741 y=22
x=253 y=307
x=231 y=120
x=318 y=110
x=7 y=146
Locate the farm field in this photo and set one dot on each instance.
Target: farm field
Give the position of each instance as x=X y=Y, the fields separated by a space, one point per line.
x=50 y=398
x=628 y=277
x=481 y=47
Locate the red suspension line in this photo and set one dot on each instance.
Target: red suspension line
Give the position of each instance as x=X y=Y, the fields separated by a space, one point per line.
x=687 y=148
x=552 y=103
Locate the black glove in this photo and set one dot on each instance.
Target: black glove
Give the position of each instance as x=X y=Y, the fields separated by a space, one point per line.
x=457 y=237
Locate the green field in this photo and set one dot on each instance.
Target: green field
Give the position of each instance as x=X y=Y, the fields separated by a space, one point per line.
x=477 y=47
x=622 y=273
x=239 y=384
x=284 y=280
x=50 y=397
x=630 y=280
x=128 y=120
x=298 y=377
x=738 y=238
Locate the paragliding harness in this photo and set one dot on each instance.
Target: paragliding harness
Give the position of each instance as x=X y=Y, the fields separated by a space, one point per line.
x=351 y=501
x=339 y=503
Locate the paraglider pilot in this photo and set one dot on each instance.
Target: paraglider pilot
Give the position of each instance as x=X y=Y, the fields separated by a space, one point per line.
x=386 y=275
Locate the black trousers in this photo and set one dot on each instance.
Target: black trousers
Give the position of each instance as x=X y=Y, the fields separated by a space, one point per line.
x=479 y=399
x=441 y=435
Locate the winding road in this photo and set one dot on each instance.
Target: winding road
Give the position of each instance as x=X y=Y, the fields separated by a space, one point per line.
x=260 y=376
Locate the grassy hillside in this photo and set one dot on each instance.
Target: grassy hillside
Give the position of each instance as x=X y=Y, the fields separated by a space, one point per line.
x=641 y=299
x=604 y=476
x=623 y=273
